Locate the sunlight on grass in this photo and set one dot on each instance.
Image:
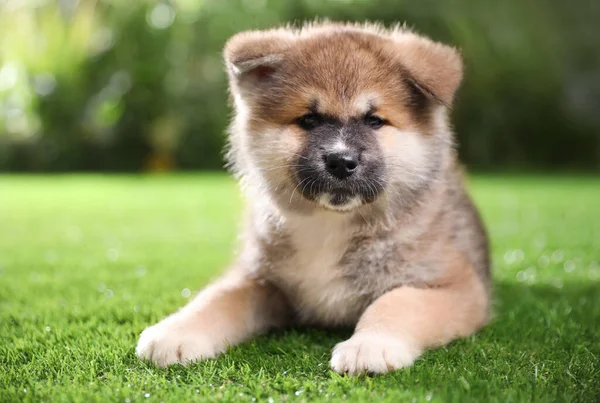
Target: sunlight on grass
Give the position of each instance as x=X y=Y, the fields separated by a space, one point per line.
x=86 y=262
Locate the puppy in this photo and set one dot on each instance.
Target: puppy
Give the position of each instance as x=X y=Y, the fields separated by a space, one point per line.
x=356 y=210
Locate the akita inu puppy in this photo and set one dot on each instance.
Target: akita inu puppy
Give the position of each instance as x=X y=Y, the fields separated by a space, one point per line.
x=356 y=209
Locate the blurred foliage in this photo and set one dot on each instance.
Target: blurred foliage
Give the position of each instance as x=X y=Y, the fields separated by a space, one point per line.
x=132 y=85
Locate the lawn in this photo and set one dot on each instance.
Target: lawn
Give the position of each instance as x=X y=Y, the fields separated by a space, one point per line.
x=87 y=262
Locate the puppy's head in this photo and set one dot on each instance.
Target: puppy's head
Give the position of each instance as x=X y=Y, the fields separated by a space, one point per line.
x=336 y=116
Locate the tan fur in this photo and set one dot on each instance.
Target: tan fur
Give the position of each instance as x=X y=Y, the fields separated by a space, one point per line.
x=223 y=314
x=409 y=268
x=408 y=320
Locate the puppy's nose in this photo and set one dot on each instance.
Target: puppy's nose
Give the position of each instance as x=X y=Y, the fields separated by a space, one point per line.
x=341 y=165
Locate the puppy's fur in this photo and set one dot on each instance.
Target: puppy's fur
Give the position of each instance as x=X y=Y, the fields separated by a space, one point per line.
x=357 y=214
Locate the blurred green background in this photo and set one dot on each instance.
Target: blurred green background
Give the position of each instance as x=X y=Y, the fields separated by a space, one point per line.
x=123 y=85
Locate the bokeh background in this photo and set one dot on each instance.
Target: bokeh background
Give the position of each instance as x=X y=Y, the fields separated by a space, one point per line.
x=122 y=85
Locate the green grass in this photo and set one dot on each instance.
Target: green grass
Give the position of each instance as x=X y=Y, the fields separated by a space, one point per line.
x=86 y=262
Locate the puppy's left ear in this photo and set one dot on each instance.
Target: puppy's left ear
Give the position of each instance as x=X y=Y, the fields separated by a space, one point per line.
x=252 y=57
x=435 y=69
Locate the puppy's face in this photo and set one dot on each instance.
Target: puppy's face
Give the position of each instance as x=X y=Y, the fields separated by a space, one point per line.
x=337 y=116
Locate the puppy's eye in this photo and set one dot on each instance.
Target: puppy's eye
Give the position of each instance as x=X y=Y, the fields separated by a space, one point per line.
x=309 y=121
x=374 y=122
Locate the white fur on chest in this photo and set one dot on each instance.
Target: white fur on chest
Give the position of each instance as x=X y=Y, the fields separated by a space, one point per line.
x=313 y=276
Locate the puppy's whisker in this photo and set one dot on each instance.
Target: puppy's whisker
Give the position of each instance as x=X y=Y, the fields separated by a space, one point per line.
x=296 y=187
x=304 y=188
x=283 y=167
x=362 y=215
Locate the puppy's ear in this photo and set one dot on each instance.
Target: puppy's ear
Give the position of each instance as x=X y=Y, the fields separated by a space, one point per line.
x=433 y=68
x=252 y=57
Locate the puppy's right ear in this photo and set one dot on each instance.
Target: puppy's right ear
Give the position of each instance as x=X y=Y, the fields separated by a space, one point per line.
x=253 y=57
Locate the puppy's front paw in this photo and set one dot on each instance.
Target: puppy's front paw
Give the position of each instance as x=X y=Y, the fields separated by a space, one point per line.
x=371 y=352
x=174 y=341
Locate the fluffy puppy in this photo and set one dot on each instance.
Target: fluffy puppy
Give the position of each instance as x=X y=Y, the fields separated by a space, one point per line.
x=357 y=213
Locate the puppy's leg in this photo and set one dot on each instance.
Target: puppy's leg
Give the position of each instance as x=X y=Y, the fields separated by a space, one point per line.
x=401 y=324
x=224 y=314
